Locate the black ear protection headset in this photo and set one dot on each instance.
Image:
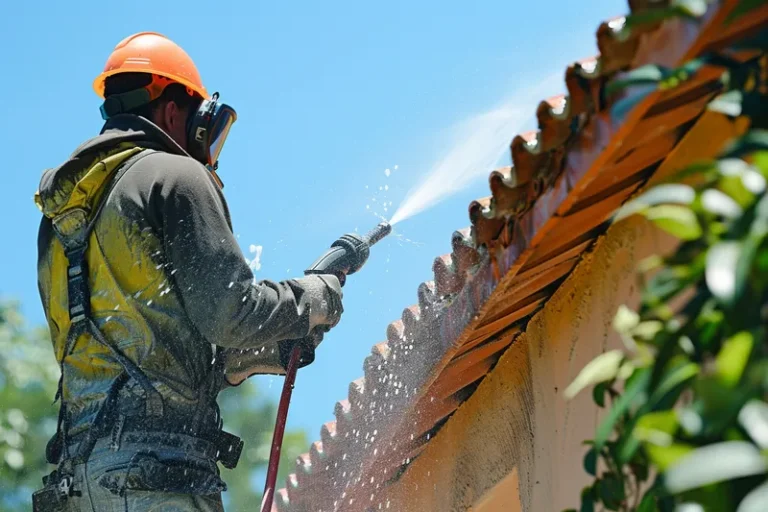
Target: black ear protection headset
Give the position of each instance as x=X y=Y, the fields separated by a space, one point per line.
x=207 y=128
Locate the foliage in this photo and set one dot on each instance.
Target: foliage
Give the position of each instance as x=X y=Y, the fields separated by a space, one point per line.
x=28 y=376
x=251 y=416
x=686 y=426
x=738 y=79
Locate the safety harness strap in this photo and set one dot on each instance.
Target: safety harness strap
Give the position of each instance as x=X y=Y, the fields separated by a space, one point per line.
x=72 y=229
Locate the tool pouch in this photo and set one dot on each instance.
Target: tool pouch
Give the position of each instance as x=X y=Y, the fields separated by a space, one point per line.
x=230 y=447
x=56 y=491
x=49 y=499
x=147 y=472
x=54 y=448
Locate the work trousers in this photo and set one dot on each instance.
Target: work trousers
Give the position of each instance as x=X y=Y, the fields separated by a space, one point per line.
x=139 y=477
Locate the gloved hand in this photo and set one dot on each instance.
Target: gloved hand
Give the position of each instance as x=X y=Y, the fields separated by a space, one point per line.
x=324 y=295
x=239 y=364
x=320 y=296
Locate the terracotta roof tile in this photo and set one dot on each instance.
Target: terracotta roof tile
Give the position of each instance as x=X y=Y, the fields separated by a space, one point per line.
x=567 y=179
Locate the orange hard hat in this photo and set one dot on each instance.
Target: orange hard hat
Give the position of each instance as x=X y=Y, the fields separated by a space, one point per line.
x=150 y=52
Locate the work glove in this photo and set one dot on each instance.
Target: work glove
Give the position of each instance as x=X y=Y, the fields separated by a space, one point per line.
x=241 y=363
x=320 y=297
x=323 y=293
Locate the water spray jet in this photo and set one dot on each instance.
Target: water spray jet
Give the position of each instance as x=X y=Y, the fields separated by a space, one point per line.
x=481 y=141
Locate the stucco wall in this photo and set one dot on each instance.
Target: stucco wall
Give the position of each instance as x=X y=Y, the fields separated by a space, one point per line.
x=518 y=418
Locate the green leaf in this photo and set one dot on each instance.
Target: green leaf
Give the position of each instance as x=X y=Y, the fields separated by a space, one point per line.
x=733 y=357
x=674 y=193
x=693 y=8
x=665 y=456
x=751 y=181
x=753 y=417
x=728 y=103
x=648 y=74
x=759 y=228
x=647 y=504
x=756 y=41
x=635 y=385
x=711 y=498
x=590 y=462
x=611 y=491
x=635 y=433
x=719 y=203
x=756 y=500
x=722 y=260
x=667 y=283
x=656 y=427
x=650 y=16
x=625 y=320
x=587 y=500
x=717 y=404
x=677 y=9
x=742 y=8
x=640 y=467
x=621 y=108
x=627 y=445
x=736 y=189
x=753 y=140
x=604 y=367
x=714 y=463
x=670 y=381
x=702 y=171
x=598 y=393
x=648 y=330
x=732 y=166
x=679 y=221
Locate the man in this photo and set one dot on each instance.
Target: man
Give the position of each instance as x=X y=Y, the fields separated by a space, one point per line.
x=151 y=305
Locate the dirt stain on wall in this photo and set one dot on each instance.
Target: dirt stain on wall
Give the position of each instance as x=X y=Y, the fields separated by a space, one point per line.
x=518 y=420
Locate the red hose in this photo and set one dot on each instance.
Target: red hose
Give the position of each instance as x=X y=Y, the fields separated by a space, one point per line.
x=277 y=438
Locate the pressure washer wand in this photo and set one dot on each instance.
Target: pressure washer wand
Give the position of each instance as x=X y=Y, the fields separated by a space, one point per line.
x=346 y=256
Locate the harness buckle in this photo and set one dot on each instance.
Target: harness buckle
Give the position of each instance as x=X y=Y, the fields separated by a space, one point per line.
x=77 y=283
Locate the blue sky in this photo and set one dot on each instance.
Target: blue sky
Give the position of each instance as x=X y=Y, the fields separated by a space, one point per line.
x=329 y=95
